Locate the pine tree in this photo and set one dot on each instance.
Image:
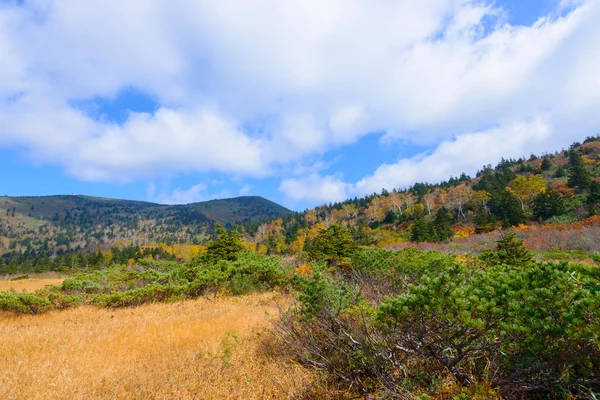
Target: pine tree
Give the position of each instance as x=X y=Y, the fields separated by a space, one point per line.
x=332 y=245
x=578 y=176
x=227 y=246
x=511 y=251
x=548 y=204
x=442 y=225
x=546 y=164
x=593 y=197
x=422 y=230
x=560 y=173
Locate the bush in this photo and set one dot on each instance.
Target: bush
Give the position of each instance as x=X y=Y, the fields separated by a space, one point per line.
x=23 y=303
x=536 y=325
x=525 y=329
x=75 y=285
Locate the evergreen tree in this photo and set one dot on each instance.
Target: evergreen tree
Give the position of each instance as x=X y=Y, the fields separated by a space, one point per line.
x=579 y=177
x=548 y=204
x=593 y=197
x=507 y=208
x=227 y=246
x=422 y=230
x=546 y=164
x=482 y=221
x=442 y=225
x=560 y=173
x=332 y=245
x=511 y=251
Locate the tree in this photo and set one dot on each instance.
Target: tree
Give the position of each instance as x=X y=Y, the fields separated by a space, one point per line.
x=507 y=208
x=525 y=189
x=578 y=176
x=546 y=164
x=511 y=251
x=457 y=197
x=332 y=245
x=548 y=204
x=422 y=230
x=442 y=225
x=593 y=196
x=227 y=246
x=560 y=173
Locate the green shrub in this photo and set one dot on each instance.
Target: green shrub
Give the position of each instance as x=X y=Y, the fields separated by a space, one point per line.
x=525 y=329
x=23 y=303
x=538 y=324
x=76 y=285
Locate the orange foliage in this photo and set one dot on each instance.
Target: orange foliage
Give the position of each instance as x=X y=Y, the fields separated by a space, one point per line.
x=305 y=270
x=464 y=232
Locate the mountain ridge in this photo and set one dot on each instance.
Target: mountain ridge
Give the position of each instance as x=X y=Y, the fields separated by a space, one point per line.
x=49 y=225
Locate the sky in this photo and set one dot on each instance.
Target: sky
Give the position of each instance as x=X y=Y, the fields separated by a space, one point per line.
x=303 y=102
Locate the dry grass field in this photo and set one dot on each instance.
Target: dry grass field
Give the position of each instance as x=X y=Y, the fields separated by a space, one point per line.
x=199 y=349
x=31 y=285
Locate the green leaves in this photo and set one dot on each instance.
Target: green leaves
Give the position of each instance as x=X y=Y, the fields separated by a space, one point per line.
x=537 y=318
x=332 y=245
x=227 y=246
x=512 y=252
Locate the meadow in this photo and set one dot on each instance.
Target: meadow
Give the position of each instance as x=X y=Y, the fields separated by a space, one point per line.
x=194 y=349
x=29 y=285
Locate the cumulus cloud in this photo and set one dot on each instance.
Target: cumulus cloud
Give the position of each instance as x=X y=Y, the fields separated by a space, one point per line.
x=467 y=153
x=315 y=188
x=263 y=87
x=194 y=194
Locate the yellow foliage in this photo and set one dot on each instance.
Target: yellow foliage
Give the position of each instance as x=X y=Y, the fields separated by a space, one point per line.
x=298 y=245
x=464 y=232
x=261 y=249
x=250 y=246
x=314 y=230
x=304 y=270
x=461 y=259
x=107 y=257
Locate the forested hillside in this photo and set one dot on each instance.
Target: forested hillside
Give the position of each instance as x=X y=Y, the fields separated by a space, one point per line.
x=554 y=192
x=54 y=225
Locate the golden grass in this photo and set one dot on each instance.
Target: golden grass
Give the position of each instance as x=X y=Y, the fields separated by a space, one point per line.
x=198 y=349
x=31 y=285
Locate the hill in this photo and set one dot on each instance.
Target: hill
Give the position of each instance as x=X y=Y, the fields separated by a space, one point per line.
x=558 y=191
x=49 y=225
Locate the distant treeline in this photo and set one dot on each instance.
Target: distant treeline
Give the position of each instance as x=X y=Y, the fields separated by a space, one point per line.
x=82 y=261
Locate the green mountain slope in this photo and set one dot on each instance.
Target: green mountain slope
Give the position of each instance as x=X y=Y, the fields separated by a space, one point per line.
x=48 y=225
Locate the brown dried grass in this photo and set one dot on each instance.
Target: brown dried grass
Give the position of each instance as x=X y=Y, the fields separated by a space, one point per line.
x=30 y=285
x=198 y=349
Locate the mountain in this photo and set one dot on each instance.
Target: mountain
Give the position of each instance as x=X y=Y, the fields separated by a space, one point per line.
x=47 y=225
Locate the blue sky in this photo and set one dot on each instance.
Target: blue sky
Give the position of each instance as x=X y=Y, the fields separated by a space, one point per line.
x=302 y=102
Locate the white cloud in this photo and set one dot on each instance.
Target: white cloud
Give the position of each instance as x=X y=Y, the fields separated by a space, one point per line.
x=467 y=153
x=167 y=142
x=259 y=87
x=245 y=190
x=315 y=188
x=194 y=194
